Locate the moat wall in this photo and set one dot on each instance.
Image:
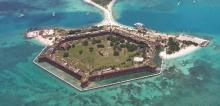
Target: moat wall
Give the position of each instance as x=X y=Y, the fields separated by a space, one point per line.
x=101 y=76
x=121 y=73
x=58 y=65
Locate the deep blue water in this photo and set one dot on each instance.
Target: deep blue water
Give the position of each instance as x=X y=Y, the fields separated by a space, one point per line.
x=187 y=17
x=192 y=80
x=185 y=20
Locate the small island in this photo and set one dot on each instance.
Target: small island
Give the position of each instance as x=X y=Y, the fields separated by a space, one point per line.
x=95 y=55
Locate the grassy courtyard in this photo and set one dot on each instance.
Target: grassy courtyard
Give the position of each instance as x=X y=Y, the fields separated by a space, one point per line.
x=102 y=52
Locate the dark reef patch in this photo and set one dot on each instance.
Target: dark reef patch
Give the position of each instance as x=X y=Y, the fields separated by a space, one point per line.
x=216 y=46
x=186 y=86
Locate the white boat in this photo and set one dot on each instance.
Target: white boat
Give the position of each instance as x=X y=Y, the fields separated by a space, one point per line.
x=179 y=3
x=53 y=14
x=194 y=1
x=21 y=15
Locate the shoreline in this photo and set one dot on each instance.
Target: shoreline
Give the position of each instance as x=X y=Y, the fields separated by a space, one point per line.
x=180 y=53
x=44 y=41
x=43 y=36
x=186 y=50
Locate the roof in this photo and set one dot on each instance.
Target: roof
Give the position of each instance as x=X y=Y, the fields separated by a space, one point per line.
x=138 y=59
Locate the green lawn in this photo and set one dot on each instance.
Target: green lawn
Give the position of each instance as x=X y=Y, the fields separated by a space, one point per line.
x=99 y=58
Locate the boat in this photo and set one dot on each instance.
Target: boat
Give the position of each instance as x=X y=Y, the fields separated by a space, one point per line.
x=139 y=25
x=194 y=1
x=21 y=15
x=53 y=14
x=179 y=3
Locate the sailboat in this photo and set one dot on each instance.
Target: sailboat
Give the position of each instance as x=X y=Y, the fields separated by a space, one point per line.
x=179 y=3
x=194 y=1
x=53 y=14
x=21 y=15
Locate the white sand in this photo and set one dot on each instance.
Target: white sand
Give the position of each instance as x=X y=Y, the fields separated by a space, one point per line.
x=42 y=36
x=182 y=52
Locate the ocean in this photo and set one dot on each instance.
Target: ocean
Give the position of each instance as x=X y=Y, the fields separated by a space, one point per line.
x=191 y=80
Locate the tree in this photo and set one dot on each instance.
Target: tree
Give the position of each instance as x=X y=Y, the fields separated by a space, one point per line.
x=113 y=39
x=131 y=47
x=190 y=43
x=80 y=52
x=109 y=38
x=73 y=45
x=117 y=43
x=85 y=43
x=129 y=59
x=173 y=46
x=141 y=46
x=94 y=41
x=122 y=41
x=111 y=44
x=98 y=41
x=122 y=45
x=66 y=54
x=74 y=31
x=116 y=53
x=91 y=49
x=117 y=48
x=100 y=46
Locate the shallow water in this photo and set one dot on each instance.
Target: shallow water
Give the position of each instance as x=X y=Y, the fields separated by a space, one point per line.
x=190 y=80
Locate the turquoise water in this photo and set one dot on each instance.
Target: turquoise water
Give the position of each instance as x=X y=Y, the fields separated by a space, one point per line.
x=192 y=80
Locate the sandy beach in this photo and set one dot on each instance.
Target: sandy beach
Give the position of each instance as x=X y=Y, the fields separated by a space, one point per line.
x=42 y=36
x=182 y=52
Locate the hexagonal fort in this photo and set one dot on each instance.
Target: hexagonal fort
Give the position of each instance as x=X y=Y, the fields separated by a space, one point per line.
x=98 y=53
